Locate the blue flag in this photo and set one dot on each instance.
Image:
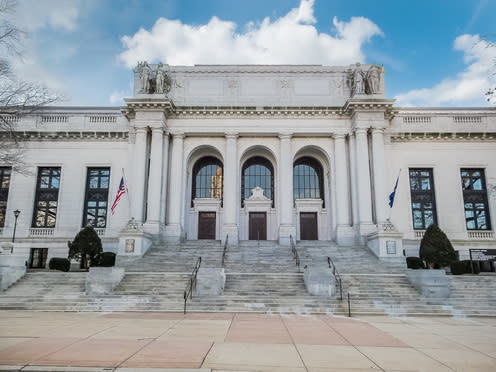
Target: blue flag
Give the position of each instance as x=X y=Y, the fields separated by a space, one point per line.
x=393 y=194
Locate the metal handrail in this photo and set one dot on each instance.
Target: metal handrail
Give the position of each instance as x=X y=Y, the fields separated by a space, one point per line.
x=225 y=250
x=191 y=286
x=296 y=256
x=336 y=275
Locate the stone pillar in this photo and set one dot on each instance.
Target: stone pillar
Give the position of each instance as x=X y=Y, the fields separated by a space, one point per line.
x=139 y=174
x=353 y=180
x=286 y=228
x=231 y=201
x=379 y=176
x=165 y=170
x=155 y=181
x=363 y=182
x=174 y=230
x=344 y=232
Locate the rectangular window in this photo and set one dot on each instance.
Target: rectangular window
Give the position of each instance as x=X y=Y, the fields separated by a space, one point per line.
x=5 y=173
x=38 y=258
x=423 y=199
x=96 y=197
x=47 y=196
x=475 y=199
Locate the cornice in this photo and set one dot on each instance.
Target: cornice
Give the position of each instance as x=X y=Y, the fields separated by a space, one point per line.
x=443 y=137
x=251 y=69
x=71 y=135
x=147 y=103
x=368 y=104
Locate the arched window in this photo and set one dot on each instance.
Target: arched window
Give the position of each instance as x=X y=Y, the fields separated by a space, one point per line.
x=257 y=171
x=307 y=179
x=207 y=179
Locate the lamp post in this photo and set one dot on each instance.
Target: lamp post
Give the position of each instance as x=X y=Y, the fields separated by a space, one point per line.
x=17 y=212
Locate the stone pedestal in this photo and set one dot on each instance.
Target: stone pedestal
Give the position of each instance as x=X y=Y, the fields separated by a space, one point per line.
x=319 y=280
x=210 y=282
x=431 y=283
x=133 y=240
x=103 y=280
x=387 y=244
x=12 y=268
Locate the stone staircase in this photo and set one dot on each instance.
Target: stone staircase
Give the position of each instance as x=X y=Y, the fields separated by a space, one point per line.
x=260 y=277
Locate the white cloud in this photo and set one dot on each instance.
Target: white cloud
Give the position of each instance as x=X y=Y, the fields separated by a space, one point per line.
x=291 y=39
x=58 y=14
x=467 y=87
x=117 y=97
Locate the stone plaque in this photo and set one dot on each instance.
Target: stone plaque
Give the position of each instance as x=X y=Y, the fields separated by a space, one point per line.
x=129 y=245
x=391 y=246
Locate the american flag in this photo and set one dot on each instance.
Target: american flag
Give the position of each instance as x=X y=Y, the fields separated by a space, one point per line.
x=120 y=192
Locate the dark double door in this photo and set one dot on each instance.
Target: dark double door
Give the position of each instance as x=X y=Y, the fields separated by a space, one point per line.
x=206 y=225
x=308 y=226
x=258 y=226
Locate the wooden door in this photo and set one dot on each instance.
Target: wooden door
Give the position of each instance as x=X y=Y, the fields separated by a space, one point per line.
x=308 y=226
x=206 y=225
x=38 y=258
x=258 y=226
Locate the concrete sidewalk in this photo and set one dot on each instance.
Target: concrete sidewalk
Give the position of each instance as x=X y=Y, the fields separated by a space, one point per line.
x=41 y=341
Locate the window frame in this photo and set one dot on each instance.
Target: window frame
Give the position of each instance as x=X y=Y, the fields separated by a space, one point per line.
x=319 y=174
x=471 y=193
x=258 y=160
x=4 y=193
x=197 y=167
x=42 y=195
x=417 y=194
x=98 y=190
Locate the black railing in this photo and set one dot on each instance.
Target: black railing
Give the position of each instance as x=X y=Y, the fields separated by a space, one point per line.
x=191 y=286
x=296 y=256
x=225 y=250
x=337 y=277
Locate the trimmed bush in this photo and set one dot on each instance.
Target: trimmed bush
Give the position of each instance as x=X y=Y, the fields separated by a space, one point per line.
x=476 y=266
x=105 y=259
x=85 y=247
x=460 y=267
x=436 y=249
x=59 y=263
x=415 y=263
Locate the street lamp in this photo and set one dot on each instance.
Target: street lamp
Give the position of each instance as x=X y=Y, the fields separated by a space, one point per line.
x=17 y=212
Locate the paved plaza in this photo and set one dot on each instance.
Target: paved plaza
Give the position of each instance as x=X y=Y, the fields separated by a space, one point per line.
x=64 y=341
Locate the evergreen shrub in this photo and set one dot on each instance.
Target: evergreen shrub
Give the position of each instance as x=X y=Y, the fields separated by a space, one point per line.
x=460 y=267
x=105 y=259
x=436 y=249
x=85 y=247
x=415 y=263
x=59 y=263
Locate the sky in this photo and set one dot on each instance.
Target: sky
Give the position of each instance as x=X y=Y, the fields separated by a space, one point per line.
x=436 y=52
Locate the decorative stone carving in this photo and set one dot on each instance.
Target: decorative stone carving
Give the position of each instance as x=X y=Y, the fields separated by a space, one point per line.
x=232 y=84
x=358 y=86
x=257 y=193
x=285 y=83
x=162 y=81
x=374 y=76
x=144 y=70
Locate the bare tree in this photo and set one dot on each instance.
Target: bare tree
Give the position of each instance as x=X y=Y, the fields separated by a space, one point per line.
x=18 y=97
x=491 y=93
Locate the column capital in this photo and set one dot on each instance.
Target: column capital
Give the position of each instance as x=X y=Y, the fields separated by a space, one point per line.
x=377 y=130
x=338 y=136
x=177 y=134
x=157 y=130
x=285 y=135
x=360 y=131
x=231 y=135
x=141 y=129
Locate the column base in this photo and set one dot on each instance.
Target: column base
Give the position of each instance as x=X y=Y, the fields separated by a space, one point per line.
x=232 y=232
x=285 y=231
x=174 y=233
x=366 y=228
x=345 y=235
x=154 y=228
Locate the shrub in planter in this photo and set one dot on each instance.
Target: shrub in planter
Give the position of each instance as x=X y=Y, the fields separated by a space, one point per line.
x=436 y=249
x=59 y=263
x=415 y=263
x=476 y=266
x=105 y=259
x=460 y=267
x=85 y=247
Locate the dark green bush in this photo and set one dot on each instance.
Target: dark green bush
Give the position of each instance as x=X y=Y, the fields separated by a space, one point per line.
x=85 y=247
x=460 y=267
x=436 y=249
x=476 y=266
x=59 y=263
x=415 y=263
x=105 y=259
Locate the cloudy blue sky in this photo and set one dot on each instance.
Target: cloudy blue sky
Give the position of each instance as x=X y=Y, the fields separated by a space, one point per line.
x=435 y=51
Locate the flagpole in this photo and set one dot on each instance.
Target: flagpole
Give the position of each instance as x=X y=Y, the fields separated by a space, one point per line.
x=127 y=191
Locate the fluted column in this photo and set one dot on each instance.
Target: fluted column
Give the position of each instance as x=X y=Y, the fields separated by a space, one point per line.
x=363 y=181
x=155 y=180
x=138 y=199
x=165 y=170
x=342 y=186
x=286 y=228
x=174 y=231
x=353 y=180
x=231 y=201
x=379 y=177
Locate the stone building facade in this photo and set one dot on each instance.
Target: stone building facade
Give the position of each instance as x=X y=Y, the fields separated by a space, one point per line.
x=253 y=152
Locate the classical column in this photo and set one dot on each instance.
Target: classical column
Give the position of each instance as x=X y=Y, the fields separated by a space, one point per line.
x=165 y=170
x=286 y=228
x=155 y=181
x=363 y=181
x=139 y=174
x=354 y=198
x=344 y=233
x=231 y=201
x=379 y=177
x=174 y=230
